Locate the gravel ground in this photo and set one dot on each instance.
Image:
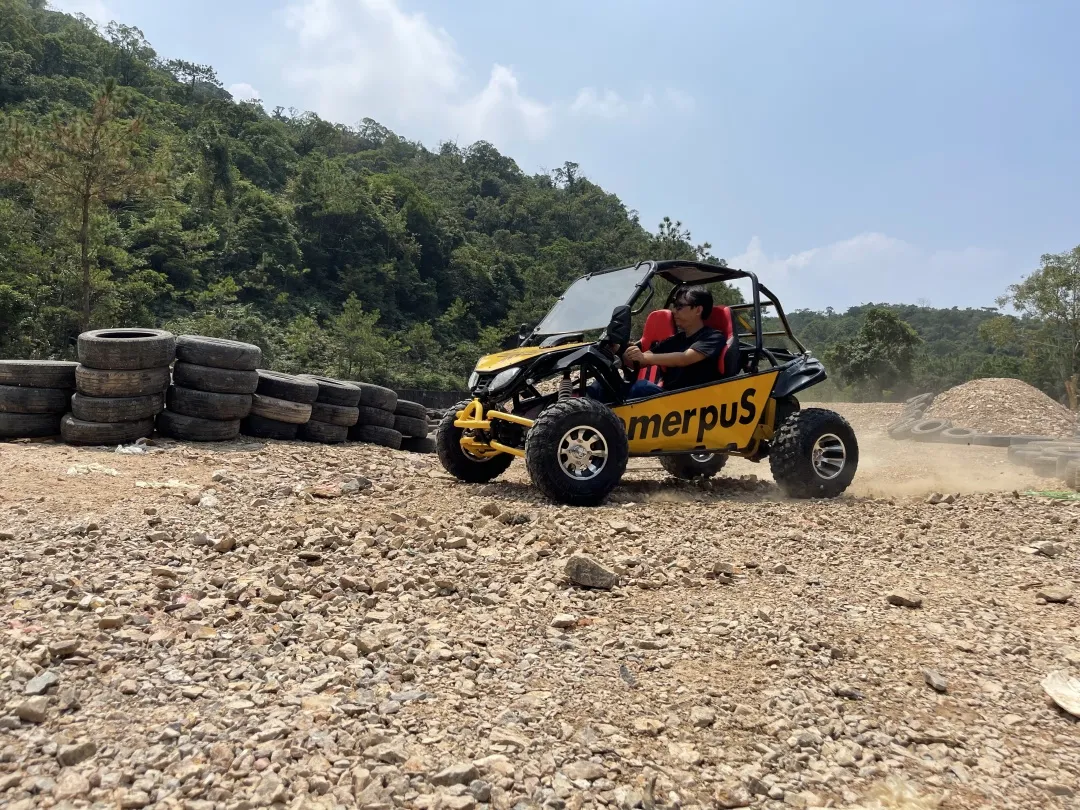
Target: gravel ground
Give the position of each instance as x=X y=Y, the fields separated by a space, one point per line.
x=258 y=624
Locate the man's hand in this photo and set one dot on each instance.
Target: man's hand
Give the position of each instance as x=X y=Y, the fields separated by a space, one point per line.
x=634 y=356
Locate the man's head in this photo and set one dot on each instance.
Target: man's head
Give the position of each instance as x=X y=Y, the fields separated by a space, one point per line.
x=691 y=306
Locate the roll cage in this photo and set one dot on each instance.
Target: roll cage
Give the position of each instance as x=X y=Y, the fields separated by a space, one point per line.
x=680 y=273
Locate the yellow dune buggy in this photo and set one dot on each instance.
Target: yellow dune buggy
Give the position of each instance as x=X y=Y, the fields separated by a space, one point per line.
x=576 y=448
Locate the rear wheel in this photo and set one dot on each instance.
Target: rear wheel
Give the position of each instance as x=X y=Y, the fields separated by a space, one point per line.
x=460 y=464
x=814 y=455
x=576 y=452
x=694 y=465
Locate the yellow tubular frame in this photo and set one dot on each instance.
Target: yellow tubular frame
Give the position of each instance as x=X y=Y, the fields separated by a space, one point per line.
x=472 y=417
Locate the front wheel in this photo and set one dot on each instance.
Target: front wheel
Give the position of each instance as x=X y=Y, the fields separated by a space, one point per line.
x=465 y=466
x=694 y=465
x=814 y=455
x=576 y=451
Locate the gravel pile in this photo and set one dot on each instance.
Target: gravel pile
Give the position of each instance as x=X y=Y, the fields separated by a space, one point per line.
x=311 y=626
x=1002 y=405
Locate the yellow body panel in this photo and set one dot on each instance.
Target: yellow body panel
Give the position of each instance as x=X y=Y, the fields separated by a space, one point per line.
x=714 y=417
x=494 y=362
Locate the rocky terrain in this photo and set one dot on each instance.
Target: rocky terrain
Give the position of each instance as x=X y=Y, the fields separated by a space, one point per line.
x=251 y=625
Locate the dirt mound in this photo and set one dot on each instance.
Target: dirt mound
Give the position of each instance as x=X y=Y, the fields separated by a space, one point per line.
x=1002 y=405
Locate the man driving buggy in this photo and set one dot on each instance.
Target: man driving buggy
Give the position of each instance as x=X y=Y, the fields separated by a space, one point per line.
x=686 y=359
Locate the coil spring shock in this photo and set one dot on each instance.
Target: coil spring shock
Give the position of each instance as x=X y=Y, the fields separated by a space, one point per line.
x=566 y=388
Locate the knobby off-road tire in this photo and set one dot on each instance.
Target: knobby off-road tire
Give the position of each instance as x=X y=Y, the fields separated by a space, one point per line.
x=207 y=404
x=375 y=396
x=77 y=431
x=415 y=445
x=376 y=417
x=94 y=382
x=280 y=410
x=335 y=392
x=340 y=415
x=706 y=465
x=208 y=351
x=126 y=349
x=287 y=386
x=576 y=452
x=263 y=428
x=215 y=380
x=384 y=437
x=193 y=429
x=410 y=426
x=323 y=432
x=459 y=463
x=411 y=409
x=116 y=409
x=29 y=425
x=814 y=454
x=14 y=399
x=38 y=373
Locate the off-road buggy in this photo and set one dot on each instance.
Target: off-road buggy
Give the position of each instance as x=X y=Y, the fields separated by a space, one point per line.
x=576 y=448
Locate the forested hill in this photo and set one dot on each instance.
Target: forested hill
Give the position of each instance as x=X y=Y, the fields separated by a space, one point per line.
x=135 y=191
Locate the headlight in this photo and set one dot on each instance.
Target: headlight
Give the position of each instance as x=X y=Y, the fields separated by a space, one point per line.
x=503 y=379
x=474 y=378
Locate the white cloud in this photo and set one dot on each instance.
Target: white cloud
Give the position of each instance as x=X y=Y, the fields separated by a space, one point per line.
x=242 y=91
x=610 y=104
x=877 y=268
x=682 y=101
x=370 y=58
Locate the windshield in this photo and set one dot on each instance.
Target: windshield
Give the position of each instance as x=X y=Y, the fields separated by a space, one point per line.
x=589 y=301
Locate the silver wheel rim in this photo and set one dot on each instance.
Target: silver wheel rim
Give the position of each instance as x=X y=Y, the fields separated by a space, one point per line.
x=583 y=453
x=829 y=456
x=702 y=458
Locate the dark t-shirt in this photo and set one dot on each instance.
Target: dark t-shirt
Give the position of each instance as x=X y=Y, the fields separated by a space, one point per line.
x=706 y=340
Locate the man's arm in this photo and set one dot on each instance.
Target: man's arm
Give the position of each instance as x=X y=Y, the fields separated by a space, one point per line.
x=666 y=359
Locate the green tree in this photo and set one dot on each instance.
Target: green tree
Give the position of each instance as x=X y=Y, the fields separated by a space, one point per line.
x=880 y=355
x=78 y=166
x=1048 y=329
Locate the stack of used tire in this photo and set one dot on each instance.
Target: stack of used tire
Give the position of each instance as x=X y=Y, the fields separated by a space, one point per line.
x=120 y=384
x=1047 y=457
x=213 y=381
x=335 y=410
x=375 y=424
x=913 y=424
x=280 y=405
x=411 y=421
x=34 y=396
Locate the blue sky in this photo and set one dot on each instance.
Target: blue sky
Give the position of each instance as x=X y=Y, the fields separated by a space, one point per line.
x=848 y=152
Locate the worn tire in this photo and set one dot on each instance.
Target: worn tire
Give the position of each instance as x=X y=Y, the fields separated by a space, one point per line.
x=207 y=404
x=409 y=426
x=901 y=429
x=335 y=392
x=116 y=409
x=323 y=432
x=406 y=407
x=14 y=399
x=376 y=417
x=384 y=437
x=956 y=435
x=375 y=396
x=218 y=353
x=193 y=429
x=1072 y=476
x=791 y=456
x=928 y=430
x=919 y=401
x=340 y=415
x=1044 y=466
x=29 y=425
x=1023 y=457
x=1063 y=462
x=126 y=349
x=456 y=461
x=688 y=468
x=38 y=373
x=76 y=431
x=415 y=445
x=287 y=386
x=990 y=440
x=263 y=428
x=543 y=448
x=215 y=380
x=280 y=410
x=96 y=382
